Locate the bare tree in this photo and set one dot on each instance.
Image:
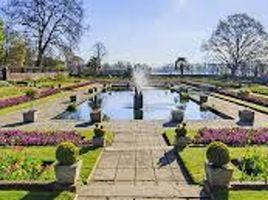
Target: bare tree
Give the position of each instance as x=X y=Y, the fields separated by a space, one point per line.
x=99 y=50
x=181 y=64
x=236 y=41
x=48 y=24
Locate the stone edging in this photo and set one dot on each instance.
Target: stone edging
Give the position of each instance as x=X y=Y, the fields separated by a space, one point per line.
x=36 y=186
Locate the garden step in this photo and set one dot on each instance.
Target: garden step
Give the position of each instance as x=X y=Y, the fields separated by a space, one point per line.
x=141 y=191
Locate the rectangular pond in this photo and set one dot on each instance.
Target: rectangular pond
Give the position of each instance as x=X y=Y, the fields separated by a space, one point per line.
x=157 y=105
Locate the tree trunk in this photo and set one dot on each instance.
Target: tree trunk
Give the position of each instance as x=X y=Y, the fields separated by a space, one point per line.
x=39 y=59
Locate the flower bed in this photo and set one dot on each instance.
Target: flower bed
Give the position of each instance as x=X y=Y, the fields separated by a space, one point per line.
x=19 y=167
x=233 y=136
x=75 y=86
x=38 y=138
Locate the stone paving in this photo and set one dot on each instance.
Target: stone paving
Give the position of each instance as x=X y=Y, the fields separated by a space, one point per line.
x=139 y=165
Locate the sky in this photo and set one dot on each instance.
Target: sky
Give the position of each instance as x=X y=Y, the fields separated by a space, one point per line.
x=157 y=31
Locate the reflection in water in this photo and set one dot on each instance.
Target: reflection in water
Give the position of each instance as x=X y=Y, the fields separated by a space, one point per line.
x=157 y=105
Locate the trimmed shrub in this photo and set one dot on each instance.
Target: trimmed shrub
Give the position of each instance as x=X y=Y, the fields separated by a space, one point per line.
x=243 y=93
x=67 y=153
x=71 y=108
x=99 y=131
x=31 y=93
x=218 y=154
x=181 y=131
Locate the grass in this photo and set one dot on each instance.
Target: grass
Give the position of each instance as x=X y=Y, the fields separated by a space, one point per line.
x=245 y=195
x=244 y=103
x=12 y=91
x=27 y=195
x=196 y=168
x=259 y=89
x=30 y=104
x=170 y=133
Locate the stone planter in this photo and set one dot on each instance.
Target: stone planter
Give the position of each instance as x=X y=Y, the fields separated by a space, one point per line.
x=73 y=98
x=90 y=91
x=246 y=116
x=29 y=116
x=177 y=115
x=68 y=174
x=218 y=177
x=181 y=142
x=96 y=116
x=98 y=142
x=203 y=98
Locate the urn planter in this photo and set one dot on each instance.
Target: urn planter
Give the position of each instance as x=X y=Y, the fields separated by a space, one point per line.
x=98 y=141
x=181 y=142
x=203 y=99
x=177 y=115
x=73 y=98
x=246 y=116
x=29 y=116
x=68 y=174
x=218 y=177
x=96 y=116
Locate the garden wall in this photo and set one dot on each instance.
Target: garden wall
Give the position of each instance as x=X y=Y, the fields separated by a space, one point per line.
x=28 y=74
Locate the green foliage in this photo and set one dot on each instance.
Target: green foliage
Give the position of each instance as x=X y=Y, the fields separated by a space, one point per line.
x=181 y=131
x=99 y=131
x=184 y=95
x=67 y=153
x=31 y=93
x=17 y=55
x=19 y=167
x=71 y=108
x=243 y=92
x=218 y=154
x=259 y=89
x=2 y=40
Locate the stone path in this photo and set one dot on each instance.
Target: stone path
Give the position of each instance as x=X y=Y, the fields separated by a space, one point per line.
x=139 y=165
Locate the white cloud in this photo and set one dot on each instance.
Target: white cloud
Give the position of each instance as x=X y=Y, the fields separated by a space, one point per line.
x=179 y=5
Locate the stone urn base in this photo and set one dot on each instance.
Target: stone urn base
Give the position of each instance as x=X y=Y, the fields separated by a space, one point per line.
x=96 y=116
x=68 y=174
x=177 y=116
x=218 y=177
x=203 y=99
x=246 y=116
x=29 y=116
x=181 y=142
x=73 y=98
x=98 y=142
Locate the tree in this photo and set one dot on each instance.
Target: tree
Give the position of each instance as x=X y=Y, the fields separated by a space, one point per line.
x=99 y=51
x=17 y=52
x=236 y=41
x=181 y=64
x=2 y=40
x=48 y=24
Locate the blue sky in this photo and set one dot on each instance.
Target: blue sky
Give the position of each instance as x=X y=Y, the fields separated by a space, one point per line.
x=157 y=31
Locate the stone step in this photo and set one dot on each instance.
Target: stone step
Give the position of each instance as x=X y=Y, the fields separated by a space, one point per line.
x=127 y=191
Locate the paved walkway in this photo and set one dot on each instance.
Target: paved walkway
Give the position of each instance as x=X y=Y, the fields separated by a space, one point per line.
x=139 y=165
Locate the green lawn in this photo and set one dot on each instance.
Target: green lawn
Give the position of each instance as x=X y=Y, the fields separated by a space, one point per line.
x=27 y=195
x=12 y=91
x=30 y=104
x=259 y=89
x=170 y=133
x=242 y=195
x=194 y=159
x=244 y=103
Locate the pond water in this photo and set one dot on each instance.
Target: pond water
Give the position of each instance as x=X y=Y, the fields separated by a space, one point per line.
x=157 y=105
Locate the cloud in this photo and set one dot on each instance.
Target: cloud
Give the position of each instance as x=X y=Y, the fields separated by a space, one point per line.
x=179 y=5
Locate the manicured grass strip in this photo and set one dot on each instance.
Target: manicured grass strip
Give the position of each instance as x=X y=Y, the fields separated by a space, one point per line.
x=18 y=195
x=170 y=133
x=194 y=159
x=30 y=104
x=242 y=195
x=243 y=103
x=89 y=160
x=11 y=91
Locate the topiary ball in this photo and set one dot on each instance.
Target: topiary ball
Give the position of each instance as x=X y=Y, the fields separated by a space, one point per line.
x=67 y=153
x=218 y=154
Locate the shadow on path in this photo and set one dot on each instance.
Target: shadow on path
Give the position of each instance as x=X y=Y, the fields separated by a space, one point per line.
x=168 y=158
x=16 y=124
